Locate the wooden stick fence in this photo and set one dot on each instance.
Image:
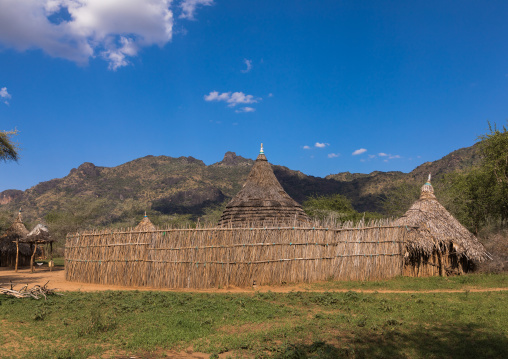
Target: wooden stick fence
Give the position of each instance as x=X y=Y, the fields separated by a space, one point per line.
x=221 y=257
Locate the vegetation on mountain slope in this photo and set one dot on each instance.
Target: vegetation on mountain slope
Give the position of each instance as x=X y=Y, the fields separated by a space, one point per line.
x=180 y=191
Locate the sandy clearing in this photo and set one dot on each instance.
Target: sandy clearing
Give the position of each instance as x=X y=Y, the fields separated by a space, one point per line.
x=57 y=280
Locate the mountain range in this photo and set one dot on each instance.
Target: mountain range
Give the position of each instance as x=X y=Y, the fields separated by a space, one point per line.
x=169 y=187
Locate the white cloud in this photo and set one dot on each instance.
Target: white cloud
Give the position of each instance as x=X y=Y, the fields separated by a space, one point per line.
x=306 y=147
x=270 y=94
x=321 y=145
x=78 y=30
x=6 y=96
x=333 y=155
x=359 y=151
x=391 y=157
x=232 y=99
x=372 y=156
x=214 y=96
x=245 y=109
x=247 y=63
x=189 y=7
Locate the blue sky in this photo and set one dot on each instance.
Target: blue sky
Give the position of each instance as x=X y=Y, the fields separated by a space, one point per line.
x=327 y=86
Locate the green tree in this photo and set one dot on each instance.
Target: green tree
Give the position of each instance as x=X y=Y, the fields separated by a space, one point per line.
x=335 y=206
x=8 y=149
x=480 y=195
x=494 y=147
x=469 y=197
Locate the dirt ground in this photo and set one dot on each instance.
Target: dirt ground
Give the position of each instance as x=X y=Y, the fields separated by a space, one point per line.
x=56 y=280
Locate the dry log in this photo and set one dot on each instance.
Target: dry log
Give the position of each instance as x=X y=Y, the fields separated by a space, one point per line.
x=35 y=292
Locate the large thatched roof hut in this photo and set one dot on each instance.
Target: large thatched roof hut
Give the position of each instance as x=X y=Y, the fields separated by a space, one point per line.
x=16 y=232
x=262 y=201
x=437 y=243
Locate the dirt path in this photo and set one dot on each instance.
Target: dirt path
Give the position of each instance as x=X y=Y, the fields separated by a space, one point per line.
x=57 y=280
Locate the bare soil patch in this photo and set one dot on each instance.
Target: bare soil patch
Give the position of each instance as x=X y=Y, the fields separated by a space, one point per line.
x=56 y=280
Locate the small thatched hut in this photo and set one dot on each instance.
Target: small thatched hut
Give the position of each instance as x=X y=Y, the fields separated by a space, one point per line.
x=39 y=236
x=17 y=232
x=262 y=201
x=145 y=225
x=437 y=243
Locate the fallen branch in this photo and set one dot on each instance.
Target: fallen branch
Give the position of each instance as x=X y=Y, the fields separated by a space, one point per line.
x=35 y=292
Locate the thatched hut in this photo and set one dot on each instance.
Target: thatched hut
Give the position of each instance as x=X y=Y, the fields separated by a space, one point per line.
x=39 y=239
x=145 y=225
x=437 y=243
x=15 y=235
x=262 y=201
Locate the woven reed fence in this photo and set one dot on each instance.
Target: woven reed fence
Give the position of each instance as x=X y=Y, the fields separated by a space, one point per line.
x=222 y=257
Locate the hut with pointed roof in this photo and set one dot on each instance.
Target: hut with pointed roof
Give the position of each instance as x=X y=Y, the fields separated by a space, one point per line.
x=40 y=238
x=262 y=201
x=15 y=234
x=145 y=225
x=437 y=243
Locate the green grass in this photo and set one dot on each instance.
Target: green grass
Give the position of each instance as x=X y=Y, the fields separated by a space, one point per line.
x=261 y=325
x=470 y=281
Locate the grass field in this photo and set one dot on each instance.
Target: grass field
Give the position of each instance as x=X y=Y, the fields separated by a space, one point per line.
x=303 y=324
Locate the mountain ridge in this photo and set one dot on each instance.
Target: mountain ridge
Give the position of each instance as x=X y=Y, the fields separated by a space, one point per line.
x=169 y=186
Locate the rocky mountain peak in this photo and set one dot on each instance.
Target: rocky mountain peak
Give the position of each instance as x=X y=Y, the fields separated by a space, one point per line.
x=232 y=160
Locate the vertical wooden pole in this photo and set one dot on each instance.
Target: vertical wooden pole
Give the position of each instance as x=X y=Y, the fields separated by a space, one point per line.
x=32 y=258
x=17 y=254
x=440 y=260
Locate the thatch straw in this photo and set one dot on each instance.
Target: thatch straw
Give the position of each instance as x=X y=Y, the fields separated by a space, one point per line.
x=39 y=234
x=220 y=257
x=262 y=201
x=437 y=230
x=145 y=225
x=16 y=232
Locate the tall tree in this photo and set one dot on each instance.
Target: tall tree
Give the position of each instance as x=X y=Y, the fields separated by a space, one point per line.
x=481 y=194
x=8 y=149
x=494 y=146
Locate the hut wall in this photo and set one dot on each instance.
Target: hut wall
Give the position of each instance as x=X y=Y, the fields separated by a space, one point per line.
x=421 y=265
x=8 y=253
x=9 y=260
x=220 y=257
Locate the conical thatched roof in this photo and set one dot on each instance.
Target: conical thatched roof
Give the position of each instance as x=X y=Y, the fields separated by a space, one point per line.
x=39 y=234
x=17 y=230
x=262 y=201
x=435 y=226
x=145 y=225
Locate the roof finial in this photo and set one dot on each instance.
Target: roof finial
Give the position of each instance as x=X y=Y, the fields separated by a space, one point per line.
x=145 y=213
x=261 y=152
x=427 y=190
